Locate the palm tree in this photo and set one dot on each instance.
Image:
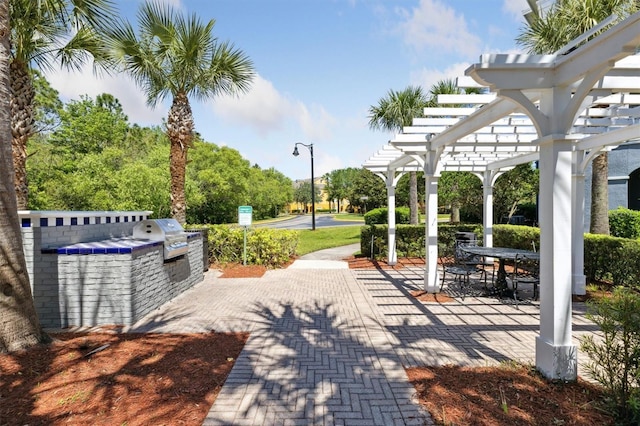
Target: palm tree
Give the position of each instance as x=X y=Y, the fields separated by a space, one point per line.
x=550 y=30
x=44 y=34
x=19 y=327
x=394 y=111
x=178 y=57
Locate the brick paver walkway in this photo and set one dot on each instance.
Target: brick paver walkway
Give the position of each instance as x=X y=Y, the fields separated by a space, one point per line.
x=329 y=346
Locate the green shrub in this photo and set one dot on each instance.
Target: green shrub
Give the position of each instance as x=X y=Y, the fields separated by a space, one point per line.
x=613 y=360
x=624 y=223
x=516 y=236
x=611 y=259
x=269 y=247
x=409 y=239
x=381 y=215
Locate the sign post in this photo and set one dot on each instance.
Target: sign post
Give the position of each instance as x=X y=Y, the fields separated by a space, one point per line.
x=245 y=214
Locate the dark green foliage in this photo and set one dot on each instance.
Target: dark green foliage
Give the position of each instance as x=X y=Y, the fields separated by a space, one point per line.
x=613 y=359
x=368 y=191
x=96 y=161
x=624 y=223
x=381 y=215
x=516 y=236
x=269 y=247
x=409 y=239
x=611 y=259
x=515 y=188
x=461 y=192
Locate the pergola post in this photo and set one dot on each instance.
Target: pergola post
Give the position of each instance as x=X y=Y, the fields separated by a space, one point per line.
x=431 y=234
x=577 y=260
x=392 y=258
x=556 y=356
x=488 y=180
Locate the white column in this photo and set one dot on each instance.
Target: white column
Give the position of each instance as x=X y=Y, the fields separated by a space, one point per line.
x=392 y=258
x=431 y=282
x=487 y=212
x=578 y=278
x=556 y=356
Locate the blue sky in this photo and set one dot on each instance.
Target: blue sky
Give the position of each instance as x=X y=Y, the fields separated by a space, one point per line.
x=320 y=65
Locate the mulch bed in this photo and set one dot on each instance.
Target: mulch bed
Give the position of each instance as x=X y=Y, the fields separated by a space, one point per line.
x=357 y=262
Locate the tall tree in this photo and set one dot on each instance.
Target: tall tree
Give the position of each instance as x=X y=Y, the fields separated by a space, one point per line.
x=19 y=327
x=302 y=194
x=338 y=183
x=460 y=189
x=394 y=111
x=367 y=191
x=178 y=56
x=547 y=31
x=44 y=34
x=90 y=126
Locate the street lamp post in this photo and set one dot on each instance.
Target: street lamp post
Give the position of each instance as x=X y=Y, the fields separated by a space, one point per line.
x=313 y=188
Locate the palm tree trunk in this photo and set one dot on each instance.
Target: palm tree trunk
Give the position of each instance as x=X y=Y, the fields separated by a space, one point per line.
x=180 y=133
x=455 y=213
x=22 y=119
x=413 y=198
x=19 y=326
x=600 y=195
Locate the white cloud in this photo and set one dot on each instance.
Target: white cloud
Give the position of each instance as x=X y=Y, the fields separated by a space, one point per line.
x=263 y=107
x=428 y=77
x=266 y=110
x=516 y=8
x=325 y=163
x=72 y=85
x=438 y=27
x=316 y=123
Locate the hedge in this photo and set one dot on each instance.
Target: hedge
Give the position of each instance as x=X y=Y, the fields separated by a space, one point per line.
x=624 y=223
x=380 y=216
x=611 y=259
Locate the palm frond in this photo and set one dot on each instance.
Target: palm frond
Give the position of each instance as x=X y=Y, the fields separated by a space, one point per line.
x=179 y=54
x=398 y=109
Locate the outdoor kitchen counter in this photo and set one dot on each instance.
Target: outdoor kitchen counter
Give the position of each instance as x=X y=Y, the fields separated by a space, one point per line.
x=87 y=269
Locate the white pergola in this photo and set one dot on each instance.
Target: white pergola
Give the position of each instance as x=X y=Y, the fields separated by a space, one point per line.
x=562 y=110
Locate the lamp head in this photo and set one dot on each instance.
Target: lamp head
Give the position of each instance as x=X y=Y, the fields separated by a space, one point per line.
x=295 y=151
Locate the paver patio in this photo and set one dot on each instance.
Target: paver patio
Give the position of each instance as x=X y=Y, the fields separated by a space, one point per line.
x=329 y=346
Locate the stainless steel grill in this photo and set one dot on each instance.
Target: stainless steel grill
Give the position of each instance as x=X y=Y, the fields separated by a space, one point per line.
x=168 y=231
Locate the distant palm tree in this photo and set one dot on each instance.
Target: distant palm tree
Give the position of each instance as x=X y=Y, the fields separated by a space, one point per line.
x=394 y=111
x=179 y=57
x=548 y=31
x=19 y=327
x=46 y=34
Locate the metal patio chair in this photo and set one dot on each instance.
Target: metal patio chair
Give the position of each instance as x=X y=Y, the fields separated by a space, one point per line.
x=480 y=263
x=526 y=271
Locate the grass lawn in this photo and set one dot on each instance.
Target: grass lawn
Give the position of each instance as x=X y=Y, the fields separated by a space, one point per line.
x=324 y=238
x=349 y=217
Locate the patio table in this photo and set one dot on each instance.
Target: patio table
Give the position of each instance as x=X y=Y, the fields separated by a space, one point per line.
x=502 y=254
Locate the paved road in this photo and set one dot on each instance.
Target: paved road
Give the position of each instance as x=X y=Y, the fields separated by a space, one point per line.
x=304 y=222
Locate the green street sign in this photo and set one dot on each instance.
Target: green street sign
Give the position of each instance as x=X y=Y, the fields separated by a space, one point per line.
x=245 y=214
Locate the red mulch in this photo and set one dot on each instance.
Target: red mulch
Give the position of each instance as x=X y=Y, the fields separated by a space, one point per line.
x=357 y=262
x=243 y=271
x=423 y=296
x=132 y=379
x=509 y=394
